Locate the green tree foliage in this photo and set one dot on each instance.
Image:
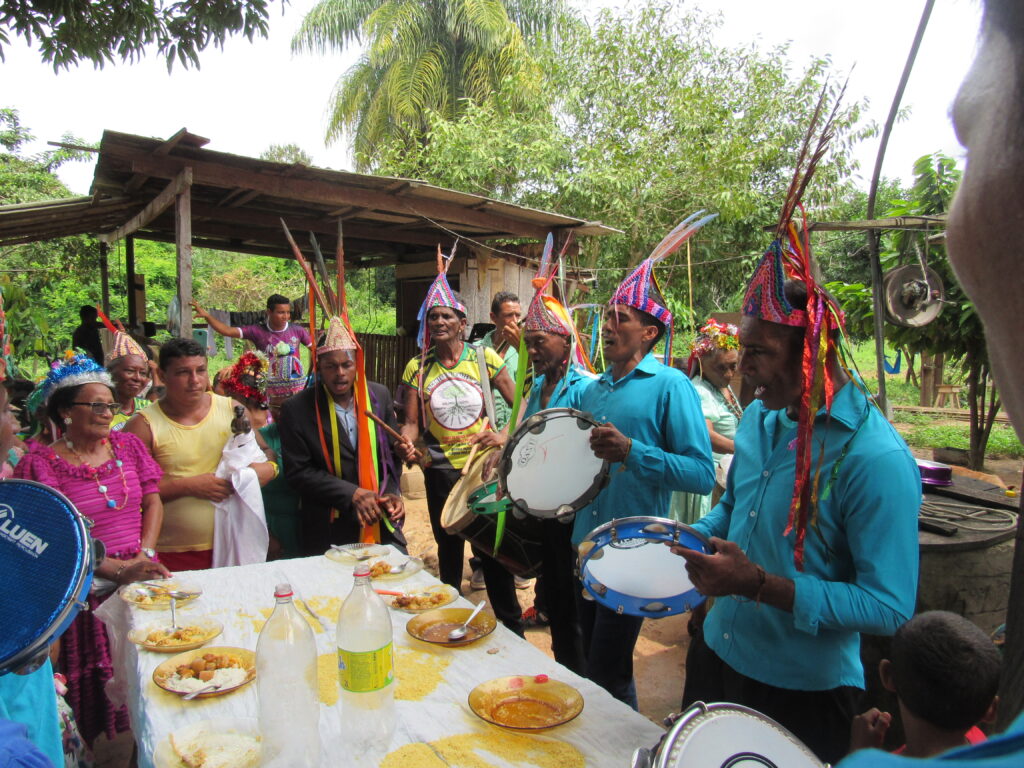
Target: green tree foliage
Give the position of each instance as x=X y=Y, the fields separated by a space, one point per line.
x=646 y=119
x=958 y=332
x=424 y=56
x=72 y=31
x=286 y=153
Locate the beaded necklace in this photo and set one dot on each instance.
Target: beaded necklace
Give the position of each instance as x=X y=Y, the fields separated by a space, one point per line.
x=94 y=473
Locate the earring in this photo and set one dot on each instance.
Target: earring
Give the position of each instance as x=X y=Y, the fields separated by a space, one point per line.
x=67 y=420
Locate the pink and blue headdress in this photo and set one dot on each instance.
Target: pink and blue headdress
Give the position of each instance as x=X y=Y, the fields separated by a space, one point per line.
x=440 y=294
x=641 y=290
x=73 y=369
x=548 y=314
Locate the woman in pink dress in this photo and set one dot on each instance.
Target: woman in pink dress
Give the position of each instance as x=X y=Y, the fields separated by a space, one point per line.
x=112 y=480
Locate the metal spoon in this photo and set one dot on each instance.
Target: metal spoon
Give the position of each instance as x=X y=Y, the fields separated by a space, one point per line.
x=197 y=691
x=174 y=624
x=399 y=568
x=460 y=632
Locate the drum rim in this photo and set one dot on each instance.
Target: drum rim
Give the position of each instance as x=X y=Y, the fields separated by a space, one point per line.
x=505 y=461
x=619 y=521
x=586 y=577
x=72 y=604
x=667 y=748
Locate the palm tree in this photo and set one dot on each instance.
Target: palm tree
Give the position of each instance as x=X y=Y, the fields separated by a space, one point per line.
x=424 y=55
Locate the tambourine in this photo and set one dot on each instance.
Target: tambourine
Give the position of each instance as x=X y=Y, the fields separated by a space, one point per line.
x=46 y=566
x=547 y=468
x=626 y=566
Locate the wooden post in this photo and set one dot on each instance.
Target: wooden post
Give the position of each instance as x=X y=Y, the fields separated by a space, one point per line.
x=105 y=278
x=183 y=249
x=129 y=279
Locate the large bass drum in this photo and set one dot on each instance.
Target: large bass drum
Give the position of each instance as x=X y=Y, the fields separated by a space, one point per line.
x=472 y=512
x=547 y=468
x=46 y=566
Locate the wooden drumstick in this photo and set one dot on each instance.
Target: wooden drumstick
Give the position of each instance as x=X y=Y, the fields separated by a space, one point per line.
x=474 y=449
x=395 y=434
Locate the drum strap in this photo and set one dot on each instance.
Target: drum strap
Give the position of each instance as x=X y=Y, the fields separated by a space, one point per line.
x=485 y=383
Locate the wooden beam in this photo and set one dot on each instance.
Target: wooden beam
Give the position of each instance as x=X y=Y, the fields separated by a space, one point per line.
x=104 y=279
x=323 y=192
x=179 y=184
x=252 y=218
x=893 y=222
x=135 y=183
x=183 y=250
x=129 y=273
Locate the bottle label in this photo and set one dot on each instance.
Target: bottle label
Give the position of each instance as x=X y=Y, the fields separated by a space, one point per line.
x=363 y=672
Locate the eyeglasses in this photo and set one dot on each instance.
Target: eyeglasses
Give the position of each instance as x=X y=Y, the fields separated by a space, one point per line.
x=101 y=408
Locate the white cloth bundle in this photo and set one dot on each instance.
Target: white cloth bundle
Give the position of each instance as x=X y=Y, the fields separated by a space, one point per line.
x=240 y=535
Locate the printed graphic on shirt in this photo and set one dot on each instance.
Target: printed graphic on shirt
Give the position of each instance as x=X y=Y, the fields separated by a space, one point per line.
x=456 y=400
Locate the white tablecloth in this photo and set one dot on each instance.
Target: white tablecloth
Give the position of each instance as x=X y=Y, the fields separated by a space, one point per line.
x=605 y=733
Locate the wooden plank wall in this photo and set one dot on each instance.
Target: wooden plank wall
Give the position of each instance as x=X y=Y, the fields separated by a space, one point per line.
x=387 y=356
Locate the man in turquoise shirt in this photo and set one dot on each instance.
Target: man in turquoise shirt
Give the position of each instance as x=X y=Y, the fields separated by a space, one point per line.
x=653 y=432
x=783 y=637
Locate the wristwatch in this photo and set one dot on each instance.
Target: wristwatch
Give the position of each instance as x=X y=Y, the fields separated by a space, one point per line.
x=148 y=552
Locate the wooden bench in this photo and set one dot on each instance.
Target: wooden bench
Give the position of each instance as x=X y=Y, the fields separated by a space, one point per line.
x=947 y=390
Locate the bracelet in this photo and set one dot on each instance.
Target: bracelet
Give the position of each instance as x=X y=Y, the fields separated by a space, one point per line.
x=629 y=449
x=277 y=469
x=117 y=573
x=762 y=577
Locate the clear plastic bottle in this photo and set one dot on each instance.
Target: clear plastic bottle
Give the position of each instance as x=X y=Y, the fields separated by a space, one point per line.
x=289 y=706
x=366 y=668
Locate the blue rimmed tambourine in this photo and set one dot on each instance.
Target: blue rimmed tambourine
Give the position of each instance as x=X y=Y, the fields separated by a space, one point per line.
x=626 y=566
x=46 y=565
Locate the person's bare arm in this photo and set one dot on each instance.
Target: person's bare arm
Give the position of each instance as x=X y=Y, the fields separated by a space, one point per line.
x=505 y=385
x=720 y=443
x=217 y=325
x=152 y=519
x=411 y=426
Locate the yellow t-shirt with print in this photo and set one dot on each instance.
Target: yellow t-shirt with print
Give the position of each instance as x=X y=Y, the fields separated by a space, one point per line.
x=454 y=401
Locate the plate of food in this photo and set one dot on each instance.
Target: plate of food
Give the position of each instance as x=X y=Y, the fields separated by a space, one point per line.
x=227 y=668
x=434 y=626
x=391 y=566
x=353 y=553
x=161 y=637
x=525 y=702
x=421 y=600
x=156 y=595
x=219 y=743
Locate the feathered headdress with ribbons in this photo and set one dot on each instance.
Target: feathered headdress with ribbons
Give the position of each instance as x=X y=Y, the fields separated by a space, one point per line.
x=440 y=294
x=712 y=336
x=789 y=258
x=73 y=369
x=640 y=290
x=247 y=378
x=546 y=313
x=372 y=454
x=124 y=344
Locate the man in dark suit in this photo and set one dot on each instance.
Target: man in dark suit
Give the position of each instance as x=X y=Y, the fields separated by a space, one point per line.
x=319 y=434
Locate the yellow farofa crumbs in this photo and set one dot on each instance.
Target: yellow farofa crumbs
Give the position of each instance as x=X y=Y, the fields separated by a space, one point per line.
x=327 y=678
x=477 y=750
x=418 y=755
x=418 y=672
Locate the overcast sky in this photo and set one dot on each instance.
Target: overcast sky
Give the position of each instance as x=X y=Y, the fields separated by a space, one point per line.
x=252 y=95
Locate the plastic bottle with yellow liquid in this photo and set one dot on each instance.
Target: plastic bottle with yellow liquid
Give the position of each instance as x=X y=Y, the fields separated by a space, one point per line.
x=366 y=668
